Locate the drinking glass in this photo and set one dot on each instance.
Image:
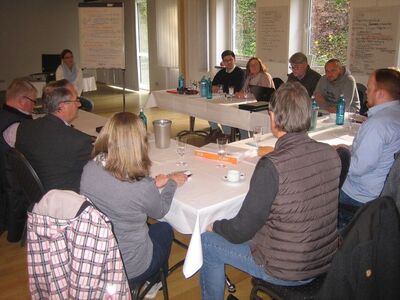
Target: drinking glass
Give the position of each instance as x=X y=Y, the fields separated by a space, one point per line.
x=221 y=90
x=221 y=142
x=258 y=131
x=351 y=118
x=181 y=149
x=231 y=93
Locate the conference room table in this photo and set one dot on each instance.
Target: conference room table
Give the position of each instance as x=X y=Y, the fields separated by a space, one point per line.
x=88 y=85
x=207 y=196
x=219 y=109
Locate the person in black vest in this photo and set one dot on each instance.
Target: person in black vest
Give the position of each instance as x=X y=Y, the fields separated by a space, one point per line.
x=56 y=150
x=285 y=232
x=20 y=101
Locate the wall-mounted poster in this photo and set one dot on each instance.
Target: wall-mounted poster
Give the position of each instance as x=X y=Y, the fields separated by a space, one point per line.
x=374 y=38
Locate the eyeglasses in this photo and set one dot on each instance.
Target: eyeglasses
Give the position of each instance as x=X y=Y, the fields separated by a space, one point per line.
x=30 y=99
x=72 y=101
x=295 y=67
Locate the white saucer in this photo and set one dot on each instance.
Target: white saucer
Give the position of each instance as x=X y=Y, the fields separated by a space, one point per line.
x=242 y=178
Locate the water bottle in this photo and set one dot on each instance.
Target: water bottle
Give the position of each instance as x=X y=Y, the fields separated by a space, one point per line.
x=209 y=88
x=203 y=87
x=340 y=108
x=314 y=113
x=181 y=84
x=143 y=117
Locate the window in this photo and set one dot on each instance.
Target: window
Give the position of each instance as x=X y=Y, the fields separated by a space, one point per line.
x=142 y=44
x=329 y=20
x=244 y=29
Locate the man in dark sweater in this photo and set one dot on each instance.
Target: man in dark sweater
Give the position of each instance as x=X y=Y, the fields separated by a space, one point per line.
x=302 y=72
x=285 y=232
x=230 y=75
x=20 y=101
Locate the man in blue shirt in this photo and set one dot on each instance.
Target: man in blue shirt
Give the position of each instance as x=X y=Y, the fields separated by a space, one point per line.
x=377 y=141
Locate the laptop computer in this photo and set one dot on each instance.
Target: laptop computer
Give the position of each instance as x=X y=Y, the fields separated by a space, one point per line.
x=255 y=106
x=261 y=93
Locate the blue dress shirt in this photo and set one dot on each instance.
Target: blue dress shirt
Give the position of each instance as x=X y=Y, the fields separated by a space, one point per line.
x=373 y=152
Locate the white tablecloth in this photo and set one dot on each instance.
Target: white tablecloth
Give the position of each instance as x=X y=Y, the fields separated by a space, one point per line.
x=206 y=197
x=218 y=109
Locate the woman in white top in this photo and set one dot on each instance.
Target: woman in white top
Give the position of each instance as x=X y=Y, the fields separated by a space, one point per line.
x=70 y=71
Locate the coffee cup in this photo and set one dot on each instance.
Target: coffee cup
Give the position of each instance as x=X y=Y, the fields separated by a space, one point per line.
x=233 y=176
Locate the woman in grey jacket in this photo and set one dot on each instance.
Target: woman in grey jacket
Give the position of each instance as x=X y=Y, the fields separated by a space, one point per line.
x=117 y=181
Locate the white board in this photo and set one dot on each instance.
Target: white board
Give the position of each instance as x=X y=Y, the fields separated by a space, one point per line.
x=101 y=35
x=374 y=39
x=273 y=33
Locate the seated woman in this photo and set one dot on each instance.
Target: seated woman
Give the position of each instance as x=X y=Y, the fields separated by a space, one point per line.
x=256 y=74
x=117 y=181
x=70 y=71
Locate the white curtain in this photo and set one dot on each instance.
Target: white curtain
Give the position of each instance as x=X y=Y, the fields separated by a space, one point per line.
x=167 y=33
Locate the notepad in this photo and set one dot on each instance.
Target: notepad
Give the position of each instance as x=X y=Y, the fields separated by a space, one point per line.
x=215 y=156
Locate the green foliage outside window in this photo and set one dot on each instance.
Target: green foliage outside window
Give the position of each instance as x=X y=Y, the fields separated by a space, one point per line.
x=330 y=30
x=245 y=38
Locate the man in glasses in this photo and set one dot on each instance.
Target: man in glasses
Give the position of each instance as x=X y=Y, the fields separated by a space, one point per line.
x=302 y=72
x=55 y=149
x=20 y=101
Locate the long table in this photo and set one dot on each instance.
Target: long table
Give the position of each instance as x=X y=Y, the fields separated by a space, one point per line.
x=219 y=109
x=206 y=196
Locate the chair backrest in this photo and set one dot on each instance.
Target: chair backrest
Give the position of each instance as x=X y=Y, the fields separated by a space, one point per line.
x=345 y=157
x=391 y=187
x=277 y=82
x=21 y=173
x=362 y=95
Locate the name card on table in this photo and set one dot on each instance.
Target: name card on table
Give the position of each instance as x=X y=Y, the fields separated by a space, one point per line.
x=212 y=155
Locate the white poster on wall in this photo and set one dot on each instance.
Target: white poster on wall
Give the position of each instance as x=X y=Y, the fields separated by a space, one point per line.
x=101 y=35
x=273 y=33
x=374 y=39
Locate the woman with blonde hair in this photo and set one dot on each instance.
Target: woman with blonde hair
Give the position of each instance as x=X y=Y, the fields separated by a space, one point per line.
x=118 y=183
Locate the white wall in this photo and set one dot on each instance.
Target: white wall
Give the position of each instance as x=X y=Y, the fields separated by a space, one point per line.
x=32 y=28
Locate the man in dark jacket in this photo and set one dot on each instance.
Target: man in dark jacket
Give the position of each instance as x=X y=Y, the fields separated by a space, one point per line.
x=302 y=72
x=55 y=149
x=20 y=101
x=285 y=231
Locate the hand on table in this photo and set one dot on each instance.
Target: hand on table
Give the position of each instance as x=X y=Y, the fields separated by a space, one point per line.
x=161 y=179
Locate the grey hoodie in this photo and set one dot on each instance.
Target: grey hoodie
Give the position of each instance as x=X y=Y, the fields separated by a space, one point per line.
x=345 y=85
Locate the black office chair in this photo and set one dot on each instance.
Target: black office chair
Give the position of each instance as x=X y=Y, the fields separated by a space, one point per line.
x=359 y=268
x=20 y=175
x=362 y=94
x=136 y=287
x=277 y=82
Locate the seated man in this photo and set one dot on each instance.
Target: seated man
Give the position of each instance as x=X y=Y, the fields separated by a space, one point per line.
x=55 y=150
x=285 y=231
x=20 y=101
x=231 y=75
x=336 y=81
x=377 y=140
x=302 y=72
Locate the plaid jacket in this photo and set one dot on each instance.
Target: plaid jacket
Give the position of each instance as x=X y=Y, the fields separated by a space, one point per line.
x=74 y=258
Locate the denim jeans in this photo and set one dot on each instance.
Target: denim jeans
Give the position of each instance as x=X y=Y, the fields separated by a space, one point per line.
x=161 y=235
x=345 y=216
x=216 y=253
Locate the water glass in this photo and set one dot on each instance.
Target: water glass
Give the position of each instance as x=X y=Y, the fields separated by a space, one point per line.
x=221 y=142
x=231 y=91
x=181 y=149
x=258 y=131
x=221 y=90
